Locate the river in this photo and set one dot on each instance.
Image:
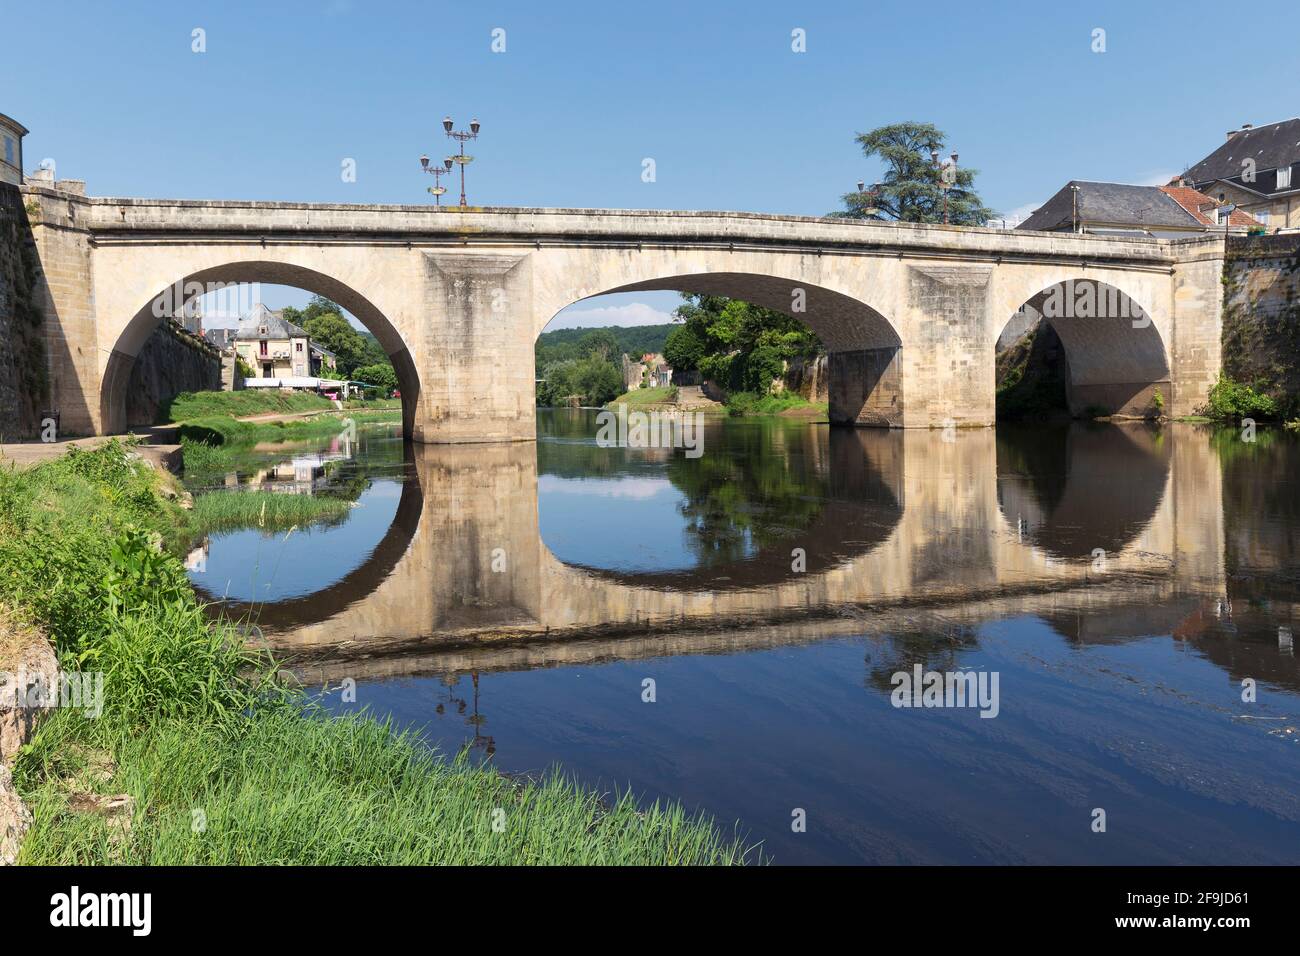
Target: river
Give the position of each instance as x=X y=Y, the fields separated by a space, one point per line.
x=736 y=630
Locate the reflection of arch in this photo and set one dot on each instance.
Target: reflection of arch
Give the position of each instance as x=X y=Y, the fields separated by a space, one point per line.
x=1116 y=357
x=353 y=587
x=1057 y=487
x=866 y=375
x=864 y=503
x=132 y=339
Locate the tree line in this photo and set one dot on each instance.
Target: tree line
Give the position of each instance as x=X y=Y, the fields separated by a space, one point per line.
x=359 y=355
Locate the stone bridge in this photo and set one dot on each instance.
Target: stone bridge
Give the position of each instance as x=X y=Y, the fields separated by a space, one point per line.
x=910 y=314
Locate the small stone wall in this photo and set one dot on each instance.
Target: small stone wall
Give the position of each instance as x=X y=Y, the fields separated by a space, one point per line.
x=172 y=361
x=1261 y=315
x=24 y=380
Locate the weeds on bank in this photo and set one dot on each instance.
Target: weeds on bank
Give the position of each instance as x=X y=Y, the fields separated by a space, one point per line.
x=267 y=510
x=209 y=759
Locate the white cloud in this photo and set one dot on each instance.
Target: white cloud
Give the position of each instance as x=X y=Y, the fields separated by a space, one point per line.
x=629 y=314
x=605 y=487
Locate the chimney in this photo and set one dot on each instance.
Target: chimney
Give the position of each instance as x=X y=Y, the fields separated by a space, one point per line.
x=1244 y=128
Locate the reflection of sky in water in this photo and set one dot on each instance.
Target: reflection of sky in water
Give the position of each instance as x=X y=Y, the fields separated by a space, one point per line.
x=623 y=524
x=249 y=565
x=1142 y=728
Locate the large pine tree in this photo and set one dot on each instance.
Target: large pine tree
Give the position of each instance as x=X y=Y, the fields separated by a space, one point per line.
x=911 y=190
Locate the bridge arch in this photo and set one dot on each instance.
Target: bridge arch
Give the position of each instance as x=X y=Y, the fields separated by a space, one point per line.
x=1055 y=487
x=171 y=300
x=863 y=345
x=1116 y=360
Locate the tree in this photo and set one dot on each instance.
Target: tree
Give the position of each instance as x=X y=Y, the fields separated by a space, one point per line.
x=738 y=345
x=684 y=348
x=382 y=375
x=326 y=325
x=600 y=343
x=593 y=380
x=911 y=188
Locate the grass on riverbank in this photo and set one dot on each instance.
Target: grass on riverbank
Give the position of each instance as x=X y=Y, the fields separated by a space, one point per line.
x=219 y=761
x=266 y=510
x=238 y=404
x=789 y=404
x=658 y=395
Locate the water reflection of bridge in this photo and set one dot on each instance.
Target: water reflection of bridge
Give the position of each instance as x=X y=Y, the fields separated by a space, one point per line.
x=912 y=522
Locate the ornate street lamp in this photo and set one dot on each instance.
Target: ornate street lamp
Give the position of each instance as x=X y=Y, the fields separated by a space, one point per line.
x=947 y=176
x=437 y=189
x=460 y=158
x=872 y=208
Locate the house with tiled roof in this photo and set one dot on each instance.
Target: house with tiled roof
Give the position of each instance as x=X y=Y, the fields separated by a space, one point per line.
x=272 y=346
x=1124 y=209
x=1255 y=168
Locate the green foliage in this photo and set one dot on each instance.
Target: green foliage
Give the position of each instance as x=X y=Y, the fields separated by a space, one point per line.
x=684 y=349
x=326 y=325
x=911 y=188
x=563 y=344
x=746 y=404
x=654 y=395
x=740 y=346
x=1232 y=401
x=601 y=343
x=194 y=718
x=268 y=510
x=382 y=375
x=244 y=402
x=592 y=379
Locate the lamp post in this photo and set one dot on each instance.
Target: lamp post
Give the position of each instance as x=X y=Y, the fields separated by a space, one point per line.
x=460 y=158
x=947 y=176
x=873 y=198
x=437 y=189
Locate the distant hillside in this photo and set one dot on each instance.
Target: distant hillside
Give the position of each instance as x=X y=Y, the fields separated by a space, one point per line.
x=636 y=340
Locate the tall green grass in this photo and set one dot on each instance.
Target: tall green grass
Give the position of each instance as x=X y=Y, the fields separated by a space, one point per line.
x=268 y=510
x=248 y=401
x=227 y=764
x=746 y=404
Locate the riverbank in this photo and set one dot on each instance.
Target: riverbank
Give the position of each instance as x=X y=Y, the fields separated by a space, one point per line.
x=737 y=404
x=200 y=755
x=217 y=430
x=784 y=405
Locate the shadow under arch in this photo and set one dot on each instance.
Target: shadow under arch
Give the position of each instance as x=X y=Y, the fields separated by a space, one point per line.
x=1115 y=358
x=1071 y=490
x=865 y=370
x=353 y=587
x=863 y=505
x=118 y=372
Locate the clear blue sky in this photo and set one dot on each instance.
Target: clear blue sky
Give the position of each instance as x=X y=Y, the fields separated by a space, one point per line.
x=733 y=118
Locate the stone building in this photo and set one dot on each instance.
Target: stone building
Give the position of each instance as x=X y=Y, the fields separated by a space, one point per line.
x=274 y=347
x=11 y=150
x=1256 y=169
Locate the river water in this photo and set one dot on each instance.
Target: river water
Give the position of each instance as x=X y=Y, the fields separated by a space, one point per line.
x=734 y=630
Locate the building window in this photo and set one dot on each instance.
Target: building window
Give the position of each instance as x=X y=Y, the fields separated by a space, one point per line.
x=1261 y=214
x=9 y=151
x=297 y=346
x=1284 y=178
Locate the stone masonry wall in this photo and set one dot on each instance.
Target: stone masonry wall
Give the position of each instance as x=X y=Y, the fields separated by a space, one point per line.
x=24 y=382
x=172 y=361
x=1261 y=316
